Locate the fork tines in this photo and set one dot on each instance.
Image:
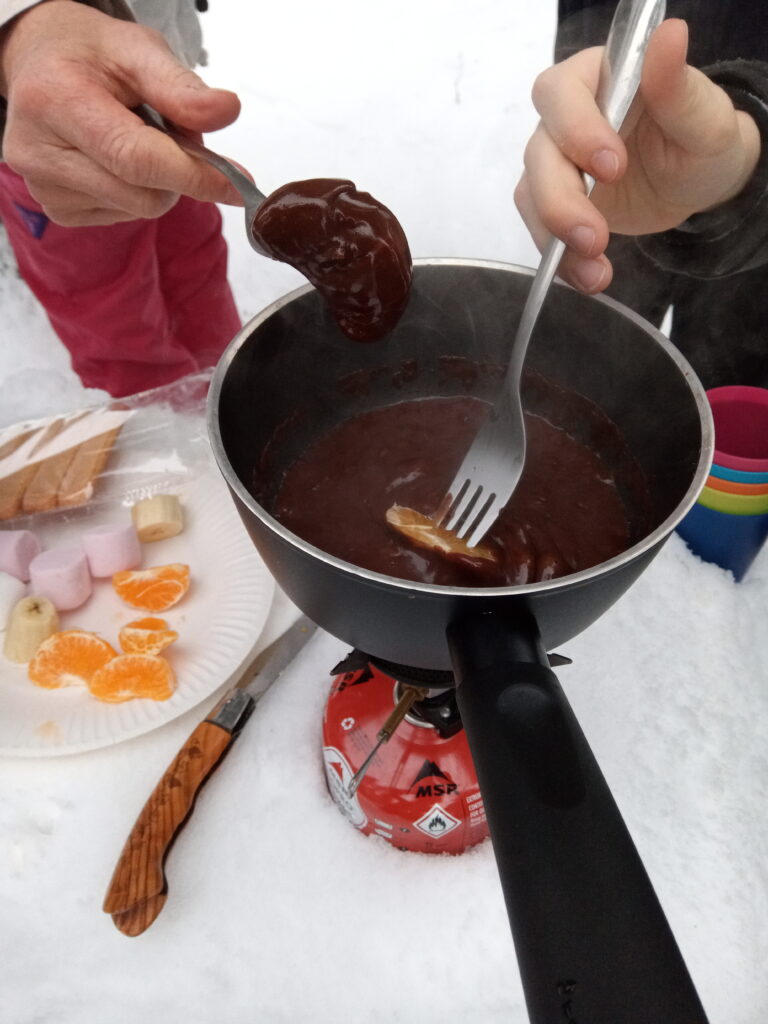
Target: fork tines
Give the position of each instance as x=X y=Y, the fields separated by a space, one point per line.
x=462 y=515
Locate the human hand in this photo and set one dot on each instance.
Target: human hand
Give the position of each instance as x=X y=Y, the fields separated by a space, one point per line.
x=71 y=75
x=685 y=149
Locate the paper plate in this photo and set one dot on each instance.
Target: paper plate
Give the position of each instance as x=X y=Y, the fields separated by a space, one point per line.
x=218 y=621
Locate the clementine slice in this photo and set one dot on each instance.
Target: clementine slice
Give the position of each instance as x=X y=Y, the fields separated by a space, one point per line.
x=70 y=657
x=133 y=675
x=155 y=589
x=146 y=636
x=425 y=533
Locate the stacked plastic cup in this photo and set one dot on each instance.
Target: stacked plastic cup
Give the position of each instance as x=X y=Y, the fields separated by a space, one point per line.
x=729 y=523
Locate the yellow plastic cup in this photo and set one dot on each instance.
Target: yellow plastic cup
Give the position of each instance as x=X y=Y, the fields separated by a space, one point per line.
x=734 y=504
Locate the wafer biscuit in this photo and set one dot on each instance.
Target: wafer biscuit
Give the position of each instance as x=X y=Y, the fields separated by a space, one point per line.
x=8 y=483
x=90 y=459
x=13 y=487
x=40 y=470
x=10 y=446
x=41 y=494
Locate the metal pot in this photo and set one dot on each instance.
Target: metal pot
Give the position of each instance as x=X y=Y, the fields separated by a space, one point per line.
x=591 y=940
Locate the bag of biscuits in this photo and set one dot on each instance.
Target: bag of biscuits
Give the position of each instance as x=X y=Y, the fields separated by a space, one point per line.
x=113 y=454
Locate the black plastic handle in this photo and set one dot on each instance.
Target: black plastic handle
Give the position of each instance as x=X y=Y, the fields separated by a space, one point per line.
x=593 y=945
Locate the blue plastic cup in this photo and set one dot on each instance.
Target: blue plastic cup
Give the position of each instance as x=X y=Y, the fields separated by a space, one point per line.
x=730 y=541
x=738 y=476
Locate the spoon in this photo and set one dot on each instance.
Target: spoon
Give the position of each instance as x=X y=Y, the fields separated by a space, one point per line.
x=252 y=196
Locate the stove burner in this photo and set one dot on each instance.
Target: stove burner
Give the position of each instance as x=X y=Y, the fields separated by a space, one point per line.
x=430 y=679
x=438 y=709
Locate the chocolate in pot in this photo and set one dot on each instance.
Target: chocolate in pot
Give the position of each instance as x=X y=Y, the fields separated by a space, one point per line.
x=566 y=514
x=349 y=246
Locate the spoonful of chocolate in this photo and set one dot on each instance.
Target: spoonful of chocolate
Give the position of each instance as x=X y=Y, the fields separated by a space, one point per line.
x=345 y=242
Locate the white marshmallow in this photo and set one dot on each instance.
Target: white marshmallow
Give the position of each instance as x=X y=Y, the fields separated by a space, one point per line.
x=61 y=575
x=112 y=548
x=17 y=549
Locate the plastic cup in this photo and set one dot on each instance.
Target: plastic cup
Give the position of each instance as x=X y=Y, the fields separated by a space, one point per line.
x=737 y=475
x=740 y=416
x=730 y=541
x=734 y=504
x=730 y=487
x=729 y=523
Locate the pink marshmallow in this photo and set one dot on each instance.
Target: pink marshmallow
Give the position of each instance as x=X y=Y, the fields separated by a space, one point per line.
x=17 y=549
x=111 y=549
x=61 y=575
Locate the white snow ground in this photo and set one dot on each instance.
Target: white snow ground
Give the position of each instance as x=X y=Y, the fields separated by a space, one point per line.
x=279 y=910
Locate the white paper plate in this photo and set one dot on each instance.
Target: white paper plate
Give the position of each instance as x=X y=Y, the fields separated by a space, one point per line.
x=218 y=621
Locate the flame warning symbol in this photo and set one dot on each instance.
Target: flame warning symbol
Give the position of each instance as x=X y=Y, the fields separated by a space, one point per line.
x=436 y=822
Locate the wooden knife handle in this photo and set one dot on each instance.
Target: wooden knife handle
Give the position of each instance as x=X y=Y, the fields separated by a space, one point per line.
x=138 y=889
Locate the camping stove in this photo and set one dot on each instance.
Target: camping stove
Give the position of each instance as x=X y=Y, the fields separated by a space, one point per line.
x=396 y=756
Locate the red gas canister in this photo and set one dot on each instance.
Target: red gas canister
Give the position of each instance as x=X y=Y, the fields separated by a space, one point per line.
x=420 y=791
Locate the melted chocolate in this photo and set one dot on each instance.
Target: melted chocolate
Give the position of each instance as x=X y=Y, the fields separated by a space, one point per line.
x=565 y=515
x=350 y=247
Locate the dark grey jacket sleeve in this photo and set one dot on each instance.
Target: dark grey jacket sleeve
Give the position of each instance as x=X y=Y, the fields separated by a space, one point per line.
x=732 y=237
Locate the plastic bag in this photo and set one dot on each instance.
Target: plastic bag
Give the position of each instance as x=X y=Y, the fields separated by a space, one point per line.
x=89 y=460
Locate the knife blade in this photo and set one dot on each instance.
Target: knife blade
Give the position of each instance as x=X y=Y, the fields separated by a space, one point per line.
x=139 y=887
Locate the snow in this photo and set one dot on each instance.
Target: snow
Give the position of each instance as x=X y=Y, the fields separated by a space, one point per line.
x=279 y=911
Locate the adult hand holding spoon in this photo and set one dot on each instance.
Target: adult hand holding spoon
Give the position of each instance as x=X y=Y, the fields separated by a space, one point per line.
x=71 y=75
x=75 y=80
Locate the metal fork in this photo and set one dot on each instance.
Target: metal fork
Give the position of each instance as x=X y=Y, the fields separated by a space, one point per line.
x=491 y=469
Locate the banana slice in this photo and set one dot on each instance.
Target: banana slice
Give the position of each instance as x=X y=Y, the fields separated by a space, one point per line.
x=11 y=592
x=32 y=620
x=424 y=533
x=158 y=517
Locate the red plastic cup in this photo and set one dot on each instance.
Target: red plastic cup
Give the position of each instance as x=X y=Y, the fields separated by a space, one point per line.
x=740 y=415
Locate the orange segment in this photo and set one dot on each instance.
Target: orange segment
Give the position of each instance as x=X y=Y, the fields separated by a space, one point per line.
x=146 y=636
x=424 y=533
x=155 y=589
x=133 y=675
x=69 y=658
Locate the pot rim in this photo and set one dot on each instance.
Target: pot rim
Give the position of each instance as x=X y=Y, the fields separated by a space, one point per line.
x=526 y=589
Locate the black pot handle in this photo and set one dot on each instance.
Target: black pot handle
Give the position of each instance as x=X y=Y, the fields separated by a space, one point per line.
x=593 y=945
